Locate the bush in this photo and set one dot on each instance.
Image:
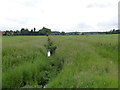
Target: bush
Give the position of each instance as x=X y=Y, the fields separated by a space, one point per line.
x=50 y=46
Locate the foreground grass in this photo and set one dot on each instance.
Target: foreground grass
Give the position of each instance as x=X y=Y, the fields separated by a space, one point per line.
x=25 y=63
x=89 y=61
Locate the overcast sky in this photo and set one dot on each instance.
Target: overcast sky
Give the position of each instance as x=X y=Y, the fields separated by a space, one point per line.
x=59 y=15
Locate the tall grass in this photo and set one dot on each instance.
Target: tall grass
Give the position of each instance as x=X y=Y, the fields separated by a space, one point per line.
x=90 y=61
x=82 y=61
x=25 y=64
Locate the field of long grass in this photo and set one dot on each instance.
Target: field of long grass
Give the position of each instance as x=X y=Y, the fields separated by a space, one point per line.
x=81 y=61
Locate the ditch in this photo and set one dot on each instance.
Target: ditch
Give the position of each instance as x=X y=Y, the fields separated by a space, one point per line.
x=34 y=72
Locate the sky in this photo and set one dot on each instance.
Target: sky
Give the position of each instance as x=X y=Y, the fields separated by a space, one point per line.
x=59 y=15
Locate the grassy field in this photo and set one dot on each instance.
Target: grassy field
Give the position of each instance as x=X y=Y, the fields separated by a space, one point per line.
x=81 y=61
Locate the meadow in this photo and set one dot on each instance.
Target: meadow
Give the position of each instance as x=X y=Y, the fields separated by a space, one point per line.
x=80 y=61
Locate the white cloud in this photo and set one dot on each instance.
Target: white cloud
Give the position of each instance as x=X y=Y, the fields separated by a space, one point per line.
x=62 y=15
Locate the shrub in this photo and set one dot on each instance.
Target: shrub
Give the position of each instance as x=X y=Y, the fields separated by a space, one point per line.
x=50 y=46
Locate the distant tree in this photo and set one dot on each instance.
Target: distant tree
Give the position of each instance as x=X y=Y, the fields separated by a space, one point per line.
x=82 y=34
x=118 y=31
x=113 y=30
x=16 y=32
x=11 y=33
x=24 y=31
x=34 y=29
x=31 y=31
x=62 y=33
x=7 y=33
x=44 y=31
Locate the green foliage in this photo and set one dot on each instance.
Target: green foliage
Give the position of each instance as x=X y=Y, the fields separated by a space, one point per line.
x=79 y=62
x=24 y=31
x=45 y=31
x=50 y=46
x=62 y=33
x=89 y=62
x=27 y=66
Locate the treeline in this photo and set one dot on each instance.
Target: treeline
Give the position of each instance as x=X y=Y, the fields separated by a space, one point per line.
x=23 y=31
x=113 y=31
x=47 y=31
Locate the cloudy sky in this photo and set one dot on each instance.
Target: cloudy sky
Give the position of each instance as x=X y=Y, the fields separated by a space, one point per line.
x=59 y=15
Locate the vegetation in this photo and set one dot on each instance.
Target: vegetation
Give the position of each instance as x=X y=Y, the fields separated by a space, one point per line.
x=80 y=61
x=25 y=63
x=62 y=33
x=50 y=47
x=89 y=62
x=23 y=31
x=46 y=31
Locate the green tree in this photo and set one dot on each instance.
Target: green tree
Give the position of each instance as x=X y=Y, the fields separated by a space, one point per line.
x=16 y=32
x=31 y=31
x=34 y=29
x=45 y=31
x=24 y=31
x=62 y=33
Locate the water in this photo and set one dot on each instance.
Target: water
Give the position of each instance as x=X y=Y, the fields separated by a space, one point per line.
x=48 y=54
